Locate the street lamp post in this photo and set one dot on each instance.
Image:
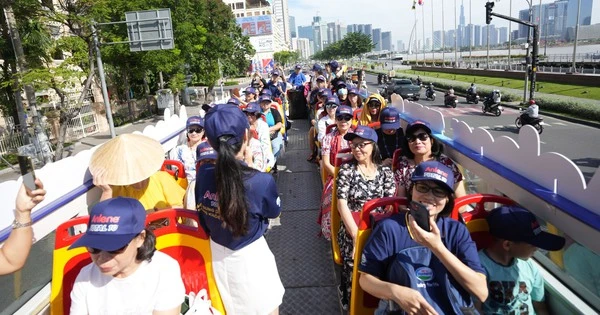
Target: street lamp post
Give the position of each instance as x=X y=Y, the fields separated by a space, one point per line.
x=471 y=29
x=443 y=38
x=509 y=35
x=432 y=36
x=527 y=52
x=455 y=38
x=573 y=67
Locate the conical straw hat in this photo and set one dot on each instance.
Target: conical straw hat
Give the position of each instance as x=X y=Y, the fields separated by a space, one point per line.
x=128 y=159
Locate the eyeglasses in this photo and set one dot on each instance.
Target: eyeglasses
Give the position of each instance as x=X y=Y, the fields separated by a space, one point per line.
x=422 y=137
x=343 y=118
x=95 y=251
x=360 y=145
x=374 y=104
x=195 y=130
x=330 y=106
x=436 y=191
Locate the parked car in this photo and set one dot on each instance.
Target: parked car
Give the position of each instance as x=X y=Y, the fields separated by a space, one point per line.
x=403 y=87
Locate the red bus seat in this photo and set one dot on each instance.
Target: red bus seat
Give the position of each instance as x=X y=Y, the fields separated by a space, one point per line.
x=395 y=159
x=361 y=302
x=188 y=244
x=177 y=170
x=343 y=156
x=475 y=219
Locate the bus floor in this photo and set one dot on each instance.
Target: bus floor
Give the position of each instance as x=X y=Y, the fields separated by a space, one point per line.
x=303 y=258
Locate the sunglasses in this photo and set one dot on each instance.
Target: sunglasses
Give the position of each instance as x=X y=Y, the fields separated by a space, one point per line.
x=436 y=191
x=374 y=104
x=422 y=137
x=360 y=145
x=195 y=130
x=95 y=251
x=343 y=118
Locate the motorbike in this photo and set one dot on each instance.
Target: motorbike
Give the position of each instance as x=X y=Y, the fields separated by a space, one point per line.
x=491 y=104
x=450 y=100
x=535 y=122
x=472 y=98
x=430 y=94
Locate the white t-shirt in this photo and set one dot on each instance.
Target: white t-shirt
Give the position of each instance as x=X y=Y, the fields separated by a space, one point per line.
x=322 y=127
x=154 y=286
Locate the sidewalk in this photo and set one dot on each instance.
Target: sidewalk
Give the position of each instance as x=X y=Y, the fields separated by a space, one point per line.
x=88 y=142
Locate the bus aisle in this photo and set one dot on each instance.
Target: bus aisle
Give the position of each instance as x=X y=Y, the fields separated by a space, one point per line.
x=303 y=259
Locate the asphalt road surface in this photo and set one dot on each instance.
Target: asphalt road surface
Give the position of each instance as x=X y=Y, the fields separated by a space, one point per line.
x=578 y=142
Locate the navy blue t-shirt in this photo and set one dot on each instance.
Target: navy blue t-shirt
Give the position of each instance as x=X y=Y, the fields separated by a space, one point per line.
x=390 y=248
x=272 y=86
x=263 y=204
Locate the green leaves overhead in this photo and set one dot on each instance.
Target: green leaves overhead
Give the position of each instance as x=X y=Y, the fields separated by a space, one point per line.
x=353 y=44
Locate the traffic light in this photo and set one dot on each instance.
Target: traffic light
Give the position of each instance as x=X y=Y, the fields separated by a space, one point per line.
x=488 y=12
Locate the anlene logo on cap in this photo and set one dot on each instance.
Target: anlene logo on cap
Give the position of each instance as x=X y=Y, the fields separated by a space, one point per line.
x=390 y=119
x=99 y=220
x=536 y=228
x=436 y=173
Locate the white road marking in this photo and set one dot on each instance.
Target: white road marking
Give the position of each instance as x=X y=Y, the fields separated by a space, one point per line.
x=559 y=123
x=484 y=127
x=499 y=126
x=545 y=124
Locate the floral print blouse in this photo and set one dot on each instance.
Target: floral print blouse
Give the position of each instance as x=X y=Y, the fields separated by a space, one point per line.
x=357 y=190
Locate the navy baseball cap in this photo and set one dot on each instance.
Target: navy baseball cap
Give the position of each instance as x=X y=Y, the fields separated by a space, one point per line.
x=513 y=223
x=204 y=151
x=362 y=132
x=354 y=91
x=333 y=99
x=113 y=223
x=343 y=110
x=434 y=171
x=250 y=90
x=298 y=66
x=233 y=101
x=252 y=107
x=333 y=64
x=275 y=72
x=317 y=67
x=390 y=118
x=341 y=85
x=417 y=124
x=321 y=78
x=225 y=120
x=266 y=91
x=194 y=120
x=264 y=98
x=325 y=92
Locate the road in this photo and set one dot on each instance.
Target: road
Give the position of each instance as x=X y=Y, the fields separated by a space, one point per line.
x=578 y=142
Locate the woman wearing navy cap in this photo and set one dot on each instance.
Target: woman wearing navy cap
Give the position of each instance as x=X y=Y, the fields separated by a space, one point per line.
x=235 y=204
x=127 y=274
x=275 y=124
x=359 y=181
x=419 y=271
x=354 y=99
x=186 y=153
x=390 y=135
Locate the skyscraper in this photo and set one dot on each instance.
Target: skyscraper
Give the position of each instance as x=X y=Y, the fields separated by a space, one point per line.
x=376 y=37
x=319 y=34
x=293 y=27
x=282 y=18
x=386 y=41
x=502 y=35
x=306 y=32
x=477 y=35
x=368 y=29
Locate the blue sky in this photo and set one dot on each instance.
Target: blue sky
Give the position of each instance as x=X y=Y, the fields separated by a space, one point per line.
x=396 y=15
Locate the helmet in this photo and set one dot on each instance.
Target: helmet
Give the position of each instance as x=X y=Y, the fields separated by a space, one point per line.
x=531 y=102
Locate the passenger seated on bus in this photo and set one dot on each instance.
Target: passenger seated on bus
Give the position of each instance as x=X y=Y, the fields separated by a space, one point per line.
x=359 y=181
x=127 y=166
x=322 y=96
x=254 y=114
x=514 y=282
x=234 y=204
x=186 y=153
x=420 y=146
x=390 y=135
x=333 y=143
x=275 y=123
x=205 y=154
x=354 y=99
x=127 y=275
x=14 y=252
x=331 y=105
x=419 y=271
x=375 y=103
x=250 y=95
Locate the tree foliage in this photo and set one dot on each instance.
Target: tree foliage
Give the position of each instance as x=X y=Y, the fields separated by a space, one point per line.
x=286 y=57
x=353 y=44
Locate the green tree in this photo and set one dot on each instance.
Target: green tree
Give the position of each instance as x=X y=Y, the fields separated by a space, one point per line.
x=351 y=45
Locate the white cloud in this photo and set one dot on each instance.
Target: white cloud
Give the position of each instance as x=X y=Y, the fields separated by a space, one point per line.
x=396 y=15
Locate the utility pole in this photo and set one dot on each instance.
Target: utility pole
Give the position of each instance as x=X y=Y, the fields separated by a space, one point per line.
x=109 y=117
x=509 y=35
x=455 y=38
x=443 y=37
x=432 y=35
x=471 y=35
x=423 y=16
x=527 y=52
x=574 y=67
x=40 y=140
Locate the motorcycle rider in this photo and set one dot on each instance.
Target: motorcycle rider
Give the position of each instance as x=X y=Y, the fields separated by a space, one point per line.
x=531 y=113
x=419 y=80
x=472 y=90
x=450 y=92
x=430 y=90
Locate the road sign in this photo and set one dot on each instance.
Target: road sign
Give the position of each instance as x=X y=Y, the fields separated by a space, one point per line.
x=149 y=30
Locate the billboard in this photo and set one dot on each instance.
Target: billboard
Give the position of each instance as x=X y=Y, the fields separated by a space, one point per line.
x=255 y=25
x=262 y=43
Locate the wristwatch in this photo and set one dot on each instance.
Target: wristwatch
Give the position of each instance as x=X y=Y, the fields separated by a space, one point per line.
x=16 y=224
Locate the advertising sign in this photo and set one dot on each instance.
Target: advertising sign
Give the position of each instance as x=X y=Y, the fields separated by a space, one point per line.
x=262 y=43
x=255 y=25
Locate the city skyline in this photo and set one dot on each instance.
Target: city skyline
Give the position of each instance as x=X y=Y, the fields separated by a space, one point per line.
x=305 y=10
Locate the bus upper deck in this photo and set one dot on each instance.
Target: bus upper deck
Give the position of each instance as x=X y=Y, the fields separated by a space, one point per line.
x=548 y=184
